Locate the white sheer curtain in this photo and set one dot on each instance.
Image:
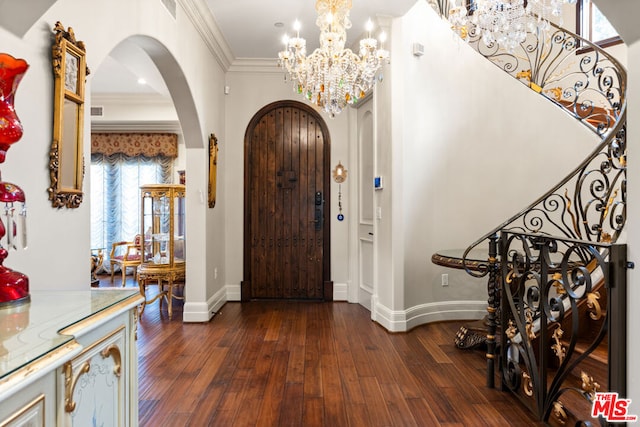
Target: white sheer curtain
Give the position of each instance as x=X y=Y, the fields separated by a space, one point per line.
x=115 y=196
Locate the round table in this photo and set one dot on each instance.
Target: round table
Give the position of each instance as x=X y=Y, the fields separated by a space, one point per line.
x=472 y=334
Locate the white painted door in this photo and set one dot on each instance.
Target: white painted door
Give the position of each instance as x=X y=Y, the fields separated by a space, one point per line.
x=365 y=203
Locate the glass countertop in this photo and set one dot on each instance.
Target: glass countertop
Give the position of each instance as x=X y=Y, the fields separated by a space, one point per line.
x=31 y=330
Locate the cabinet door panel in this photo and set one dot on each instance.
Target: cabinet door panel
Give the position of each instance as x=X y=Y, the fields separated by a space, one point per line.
x=93 y=384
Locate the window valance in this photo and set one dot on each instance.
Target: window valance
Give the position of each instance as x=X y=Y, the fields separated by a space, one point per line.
x=135 y=144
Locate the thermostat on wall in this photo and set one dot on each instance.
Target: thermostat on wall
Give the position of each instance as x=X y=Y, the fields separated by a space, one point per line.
x=377 y=183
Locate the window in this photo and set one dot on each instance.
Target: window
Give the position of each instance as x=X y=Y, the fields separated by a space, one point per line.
x=594 y=26
x=115 y=195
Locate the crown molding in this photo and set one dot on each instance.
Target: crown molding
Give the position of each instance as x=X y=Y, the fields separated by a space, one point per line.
x=203 y=20
x=137 y=126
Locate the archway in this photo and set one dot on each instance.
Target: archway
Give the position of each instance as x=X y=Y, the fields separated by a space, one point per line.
x=143 y=52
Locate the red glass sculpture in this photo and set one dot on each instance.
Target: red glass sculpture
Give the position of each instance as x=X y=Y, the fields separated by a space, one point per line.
x=14 y=286
x=11 y=72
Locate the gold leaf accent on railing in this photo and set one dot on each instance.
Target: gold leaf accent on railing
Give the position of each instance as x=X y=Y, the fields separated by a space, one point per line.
x=530 y=329
x=535 y=87
x=509 y=278
x=559 y=413
x=589 y=386
x=609 y=203
x=556 y=92
x=527 y=384
x=595 y=311
x=557 y=283
x=557 y=347
x=511 y=330
x=524 y=75
x=574 y=222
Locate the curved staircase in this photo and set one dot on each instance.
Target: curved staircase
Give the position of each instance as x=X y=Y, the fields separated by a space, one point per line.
x=556 y=271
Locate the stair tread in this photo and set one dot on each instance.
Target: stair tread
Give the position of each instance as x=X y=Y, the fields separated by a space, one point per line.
x=599 y=354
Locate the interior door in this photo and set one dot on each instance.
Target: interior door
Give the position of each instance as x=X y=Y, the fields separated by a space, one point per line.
x=365 y=204
x=286 y=242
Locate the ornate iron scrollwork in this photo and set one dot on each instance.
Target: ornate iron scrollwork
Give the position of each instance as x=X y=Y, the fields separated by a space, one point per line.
x=539 y=319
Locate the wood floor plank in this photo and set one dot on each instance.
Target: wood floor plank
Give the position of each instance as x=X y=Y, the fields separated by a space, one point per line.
x=397 y=405
x=296 y=365
x=279 y=363
x=313 y=415
x=292 y=408
x=358 y=414
x=274 y=390
x=378 y=410
x=332 y=393
x=421 y=412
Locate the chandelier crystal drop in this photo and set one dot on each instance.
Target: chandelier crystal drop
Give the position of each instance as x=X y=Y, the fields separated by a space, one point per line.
x=333 y=77
x=506 y=22
x=503 y=22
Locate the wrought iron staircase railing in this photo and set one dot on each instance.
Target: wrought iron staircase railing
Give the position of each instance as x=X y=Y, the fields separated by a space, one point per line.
x=589 y=84
x=544 y=278
x=584 y=215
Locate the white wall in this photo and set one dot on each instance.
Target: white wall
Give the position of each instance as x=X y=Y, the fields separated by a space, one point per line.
x=134 y=109
x=59 y=247
x=248 y=92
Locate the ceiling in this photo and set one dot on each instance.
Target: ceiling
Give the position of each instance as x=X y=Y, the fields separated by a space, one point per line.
x=249 y=28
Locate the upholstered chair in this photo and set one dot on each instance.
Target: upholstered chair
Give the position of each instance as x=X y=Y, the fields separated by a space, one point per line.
x=126 y=254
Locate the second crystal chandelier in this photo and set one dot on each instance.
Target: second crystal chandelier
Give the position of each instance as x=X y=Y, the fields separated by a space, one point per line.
x=506 y=22
x=333 y=77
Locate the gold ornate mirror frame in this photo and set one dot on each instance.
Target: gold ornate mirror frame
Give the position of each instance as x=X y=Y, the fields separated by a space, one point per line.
x=66 y=161
x=213 y=168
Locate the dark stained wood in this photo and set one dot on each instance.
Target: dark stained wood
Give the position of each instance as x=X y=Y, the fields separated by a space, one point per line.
x=287 y=363
x=287 y=148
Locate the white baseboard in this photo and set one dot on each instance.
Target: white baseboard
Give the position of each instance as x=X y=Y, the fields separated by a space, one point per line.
x=405 y=320
x=234 y=292
x=445 y=310
x=340 y=291
x=200 y=312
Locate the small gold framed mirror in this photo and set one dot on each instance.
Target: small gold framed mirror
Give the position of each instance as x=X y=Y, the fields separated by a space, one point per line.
x=66 y=161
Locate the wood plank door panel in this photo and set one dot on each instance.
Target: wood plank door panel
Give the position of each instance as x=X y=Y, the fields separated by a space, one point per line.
x=286 y=235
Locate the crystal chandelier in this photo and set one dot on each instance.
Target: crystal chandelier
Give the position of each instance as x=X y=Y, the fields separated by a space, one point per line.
x=333 y=77
x=506 y=22
x=503 y=22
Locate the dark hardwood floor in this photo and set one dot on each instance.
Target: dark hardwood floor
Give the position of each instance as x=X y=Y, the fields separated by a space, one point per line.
x=310 y=364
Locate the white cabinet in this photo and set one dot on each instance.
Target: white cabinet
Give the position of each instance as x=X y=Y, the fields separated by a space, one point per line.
x=73 y=362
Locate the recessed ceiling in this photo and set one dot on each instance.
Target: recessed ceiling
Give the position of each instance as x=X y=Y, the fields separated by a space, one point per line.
x=248 y=25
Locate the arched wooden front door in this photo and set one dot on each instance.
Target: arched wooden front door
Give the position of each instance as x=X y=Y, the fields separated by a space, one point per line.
x=286 y=195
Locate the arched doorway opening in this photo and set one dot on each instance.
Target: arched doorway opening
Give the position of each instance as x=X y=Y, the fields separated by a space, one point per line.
x=166 y=95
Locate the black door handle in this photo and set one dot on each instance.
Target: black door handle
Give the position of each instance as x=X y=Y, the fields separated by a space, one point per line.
x=319 y=202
